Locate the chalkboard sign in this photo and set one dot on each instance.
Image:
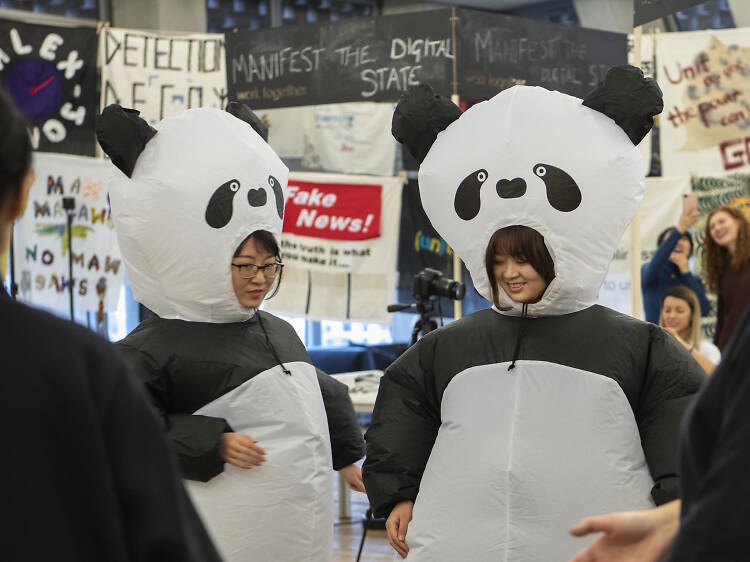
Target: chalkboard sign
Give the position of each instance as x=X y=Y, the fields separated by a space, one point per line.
x=496 y=52
x=367 y=59
x=649 y=10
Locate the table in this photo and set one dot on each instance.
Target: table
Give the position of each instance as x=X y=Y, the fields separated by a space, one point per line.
x=363 y=389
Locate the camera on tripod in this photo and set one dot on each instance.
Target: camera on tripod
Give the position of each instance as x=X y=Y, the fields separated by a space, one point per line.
x=429 y=285
x=429 y=282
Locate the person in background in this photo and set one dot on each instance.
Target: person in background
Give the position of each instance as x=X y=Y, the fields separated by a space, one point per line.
x=711 y=522
x=726 y=266
x=86 y=473
x=670 y=266
x=681 y=316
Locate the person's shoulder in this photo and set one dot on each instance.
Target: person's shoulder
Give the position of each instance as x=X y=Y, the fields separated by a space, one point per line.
x=709 y=351
x=42 y=334
x=278 y=326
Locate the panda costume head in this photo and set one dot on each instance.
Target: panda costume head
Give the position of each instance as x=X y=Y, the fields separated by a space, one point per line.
x=192 y=189
x=567 y=168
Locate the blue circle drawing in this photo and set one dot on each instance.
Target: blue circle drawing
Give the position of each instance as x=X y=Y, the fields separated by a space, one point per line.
x=36 y=87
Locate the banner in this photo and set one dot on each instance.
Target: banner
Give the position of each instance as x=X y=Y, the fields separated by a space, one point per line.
x=339 y=245
x=356 y=59
x=496 y=52
x=662 y=205
x=41 y=237
x=705 y=77
x=50 y=72
x=160 y=75
x=347 y=138
x=647 y=65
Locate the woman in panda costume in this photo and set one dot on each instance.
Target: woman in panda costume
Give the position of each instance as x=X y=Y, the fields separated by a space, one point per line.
x=506 y=427
x=256 y=428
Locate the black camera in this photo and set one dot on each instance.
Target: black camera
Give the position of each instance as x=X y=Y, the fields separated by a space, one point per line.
x=429 y=282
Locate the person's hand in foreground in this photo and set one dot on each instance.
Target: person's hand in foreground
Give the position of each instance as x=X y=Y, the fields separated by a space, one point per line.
x=353 y=476
x=241 y=450
x=633 y=536
x=397 y=525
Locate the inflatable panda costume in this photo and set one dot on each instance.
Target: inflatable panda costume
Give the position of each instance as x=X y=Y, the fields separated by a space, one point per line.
x=508 y=426
x=194 y=188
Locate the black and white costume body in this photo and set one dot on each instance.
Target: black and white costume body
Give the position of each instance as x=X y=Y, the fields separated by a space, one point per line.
x=196 y=187
x=508 y=426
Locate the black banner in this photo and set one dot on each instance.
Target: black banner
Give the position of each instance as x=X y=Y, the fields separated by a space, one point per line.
x=50 y=72
x=648 y=10
x=496 y=52
x=368 y=59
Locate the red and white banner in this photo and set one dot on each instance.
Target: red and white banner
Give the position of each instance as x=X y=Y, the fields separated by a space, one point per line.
x=705 y=79
x=339 y=245
x=333 y=211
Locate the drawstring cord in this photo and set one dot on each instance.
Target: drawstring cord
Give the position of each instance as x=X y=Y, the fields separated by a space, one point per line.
x=270 y=345
x=521 y=334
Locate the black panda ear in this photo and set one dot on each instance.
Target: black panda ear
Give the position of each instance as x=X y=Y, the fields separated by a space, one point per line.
x=244 y=113
x=420 y=115
x=123 y=135
x=628 y=98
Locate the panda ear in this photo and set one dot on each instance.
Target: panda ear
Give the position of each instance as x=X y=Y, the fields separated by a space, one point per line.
x=244 y=113
x=123 y=135
x=420 y=115
x=628 y=98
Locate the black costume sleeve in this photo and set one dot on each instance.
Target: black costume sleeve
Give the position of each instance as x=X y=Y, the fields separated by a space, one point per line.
x=714 y=522
x=405 y=424
x=160 y=522
x=347 y=444
x=672 y=379
x=195 y=439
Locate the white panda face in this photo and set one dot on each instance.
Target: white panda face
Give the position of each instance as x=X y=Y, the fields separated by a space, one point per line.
x=202 y=184
x=540 y=159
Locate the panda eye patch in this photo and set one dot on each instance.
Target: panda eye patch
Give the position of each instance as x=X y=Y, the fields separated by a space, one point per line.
x=219 y=209
x=467 y=199
x=563 y=192
x=279 y=194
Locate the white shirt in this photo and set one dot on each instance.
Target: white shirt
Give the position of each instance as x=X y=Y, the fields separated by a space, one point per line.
x=709 y=351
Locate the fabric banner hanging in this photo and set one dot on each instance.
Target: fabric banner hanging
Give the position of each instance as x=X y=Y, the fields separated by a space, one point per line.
x=41 y=236
x=646 y=146
x=160 y=75
x=704 y=126
x=346 y=138
x=340 y=244
x=50 y=72
x=662 y=205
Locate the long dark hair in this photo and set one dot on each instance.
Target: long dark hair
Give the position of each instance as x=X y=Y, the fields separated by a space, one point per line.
x=520 y=242
x=266 y=242
x=716 y=259
x=15 y=148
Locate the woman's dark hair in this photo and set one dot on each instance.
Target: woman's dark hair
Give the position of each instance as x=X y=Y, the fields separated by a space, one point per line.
x=522 y=243
x=664 y=233
x=266 y=242
x=15 y=148
x=716 y=260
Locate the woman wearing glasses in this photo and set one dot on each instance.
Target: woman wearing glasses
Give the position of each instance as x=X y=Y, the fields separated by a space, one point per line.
x=256 y=428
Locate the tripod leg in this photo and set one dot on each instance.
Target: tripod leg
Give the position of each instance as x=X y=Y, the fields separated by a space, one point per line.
x=365 y=526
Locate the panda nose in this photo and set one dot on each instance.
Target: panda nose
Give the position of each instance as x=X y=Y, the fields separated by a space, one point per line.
x=510 y=189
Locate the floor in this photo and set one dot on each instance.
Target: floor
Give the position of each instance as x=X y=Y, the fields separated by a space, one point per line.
x=347 y=535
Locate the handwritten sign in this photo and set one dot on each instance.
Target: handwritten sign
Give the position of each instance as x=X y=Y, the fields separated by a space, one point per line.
x=367 y=59
x=41 y=236
x=706 y=118
x=50 y=72
x=649 y=10
x=496 y=52
x=160 y=75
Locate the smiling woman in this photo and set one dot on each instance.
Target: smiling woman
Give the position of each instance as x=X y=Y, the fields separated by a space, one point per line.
x=520 y=263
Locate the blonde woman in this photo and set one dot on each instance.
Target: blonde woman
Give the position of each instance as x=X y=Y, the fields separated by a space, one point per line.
x=681 y=316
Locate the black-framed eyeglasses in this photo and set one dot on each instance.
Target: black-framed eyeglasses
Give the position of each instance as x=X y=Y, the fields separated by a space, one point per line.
x=250 y=270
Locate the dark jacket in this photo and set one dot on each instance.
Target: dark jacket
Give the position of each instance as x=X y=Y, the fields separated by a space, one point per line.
x=655 y=373
x=660 y=274
x=86 y=474
x=714 y=459
x=186 y=365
